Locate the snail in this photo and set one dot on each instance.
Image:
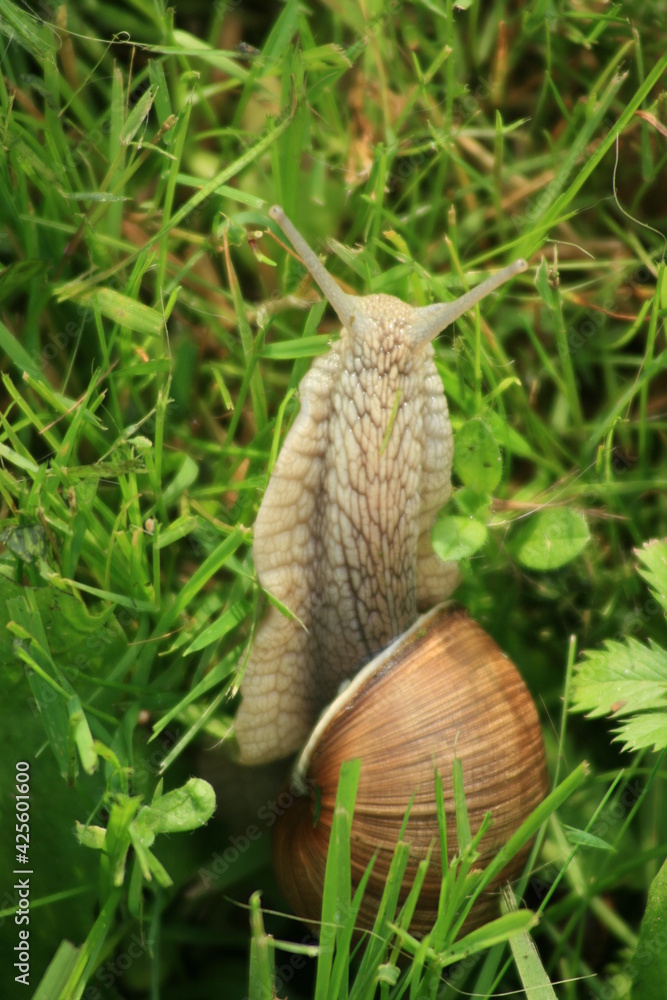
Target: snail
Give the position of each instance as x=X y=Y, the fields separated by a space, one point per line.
x=342 y=540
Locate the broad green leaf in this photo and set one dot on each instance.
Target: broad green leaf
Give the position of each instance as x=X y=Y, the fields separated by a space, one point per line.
x=550 y=538
x=650 y=957
x=455 y=538
x=470 y=503
x=477 y=459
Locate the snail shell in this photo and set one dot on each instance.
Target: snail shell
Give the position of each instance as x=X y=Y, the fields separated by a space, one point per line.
x=442 y=690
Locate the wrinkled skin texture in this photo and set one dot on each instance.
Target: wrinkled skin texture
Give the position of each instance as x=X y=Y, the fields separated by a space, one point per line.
x=342 y=537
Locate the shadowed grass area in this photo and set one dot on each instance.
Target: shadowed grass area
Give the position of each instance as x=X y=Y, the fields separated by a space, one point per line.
x=153 y=333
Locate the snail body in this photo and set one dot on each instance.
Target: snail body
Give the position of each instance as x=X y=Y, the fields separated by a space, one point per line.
x=342 y=539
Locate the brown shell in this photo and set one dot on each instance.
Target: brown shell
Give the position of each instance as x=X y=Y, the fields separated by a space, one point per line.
x=442 y=689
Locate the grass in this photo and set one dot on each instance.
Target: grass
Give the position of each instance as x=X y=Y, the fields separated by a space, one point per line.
x=153 y=334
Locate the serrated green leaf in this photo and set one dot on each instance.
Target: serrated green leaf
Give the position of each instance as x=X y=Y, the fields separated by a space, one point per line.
x=550 y=539
x=477 y=459
x=645 y=731
x=455 y=538
x=621 y=679
x=626 y=679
